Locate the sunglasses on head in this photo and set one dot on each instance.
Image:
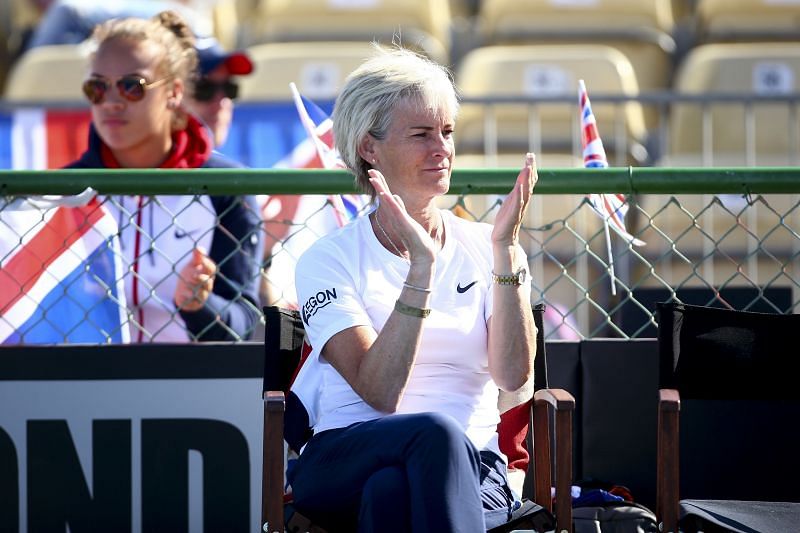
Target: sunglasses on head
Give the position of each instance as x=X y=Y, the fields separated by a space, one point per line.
x=132 y=88
x=205 y=89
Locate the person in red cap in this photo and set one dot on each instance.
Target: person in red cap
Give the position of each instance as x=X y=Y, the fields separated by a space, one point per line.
x=215 y=88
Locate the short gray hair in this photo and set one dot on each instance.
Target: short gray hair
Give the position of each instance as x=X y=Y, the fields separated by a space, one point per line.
x=373 y=90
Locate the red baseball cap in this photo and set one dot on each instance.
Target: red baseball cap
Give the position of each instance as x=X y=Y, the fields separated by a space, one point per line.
x=210 y=55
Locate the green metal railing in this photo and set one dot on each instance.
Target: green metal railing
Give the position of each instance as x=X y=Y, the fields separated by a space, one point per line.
x=718 y=236
x=633 y=180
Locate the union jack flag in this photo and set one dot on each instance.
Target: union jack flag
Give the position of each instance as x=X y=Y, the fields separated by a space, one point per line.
x=320 y=132
x=294 y=222
x=60 y=272
x=610 y=207
x=37 y=138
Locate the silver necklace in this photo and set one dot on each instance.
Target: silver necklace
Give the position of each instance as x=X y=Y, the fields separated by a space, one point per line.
x=383 y=231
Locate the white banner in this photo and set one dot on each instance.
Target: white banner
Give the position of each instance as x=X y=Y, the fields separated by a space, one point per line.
x=132 y=454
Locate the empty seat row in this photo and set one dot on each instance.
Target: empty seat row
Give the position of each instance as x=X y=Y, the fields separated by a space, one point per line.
x=519 y=97
x=432 y=24
x=729 y=20
x=705 y=129
x=538 y=72
x=644 y=27
x=420 y=24
x=641 y=30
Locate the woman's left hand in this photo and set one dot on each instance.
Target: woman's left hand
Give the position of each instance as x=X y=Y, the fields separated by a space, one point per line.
x=195 y=281
x=509 y=217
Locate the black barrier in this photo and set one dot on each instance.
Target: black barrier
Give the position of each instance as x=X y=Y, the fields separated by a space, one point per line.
x=131 y=438
x=619 y=399
x=109 y=410
x=154 y=437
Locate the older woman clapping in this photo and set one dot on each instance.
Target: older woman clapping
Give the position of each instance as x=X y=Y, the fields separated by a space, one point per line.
x=417 y=318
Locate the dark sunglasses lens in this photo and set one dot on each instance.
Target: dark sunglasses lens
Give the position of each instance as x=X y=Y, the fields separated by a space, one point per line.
x=95 y=90
x=131 y=88
x=230 y=89
x=205 y=90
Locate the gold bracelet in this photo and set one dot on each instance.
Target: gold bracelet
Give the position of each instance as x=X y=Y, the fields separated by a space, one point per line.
x=417 y=312
x=517 y=278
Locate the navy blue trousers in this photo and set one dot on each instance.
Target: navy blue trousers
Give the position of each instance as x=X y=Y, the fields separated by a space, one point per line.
x=416 y=472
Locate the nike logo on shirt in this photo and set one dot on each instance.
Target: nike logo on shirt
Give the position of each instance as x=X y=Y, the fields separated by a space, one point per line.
x=180 y=234
x=465 y=288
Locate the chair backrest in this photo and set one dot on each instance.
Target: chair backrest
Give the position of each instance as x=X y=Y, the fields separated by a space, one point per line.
x=283 y=342
x=725 y=354
x=766 y=129
x=318 y=69
x=748 y=19
x=628 y=19
x=736 y=372
x=419 y=23
x=49 y=73
x=546 y=70
x=641 y=30
x=285 y=352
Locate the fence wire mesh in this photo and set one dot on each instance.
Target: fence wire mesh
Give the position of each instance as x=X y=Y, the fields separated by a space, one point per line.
x=109 y=270
x=721 y=250
x=725 y=250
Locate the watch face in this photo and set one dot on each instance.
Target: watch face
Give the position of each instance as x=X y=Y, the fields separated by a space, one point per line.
x=521 y=275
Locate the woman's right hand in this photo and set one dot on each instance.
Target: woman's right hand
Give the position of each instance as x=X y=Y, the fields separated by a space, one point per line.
x=195 y=281
x=396 y=221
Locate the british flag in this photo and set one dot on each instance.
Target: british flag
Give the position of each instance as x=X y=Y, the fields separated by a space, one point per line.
x=37 y=138
x=60 y=272
x=610 y=207
x=294 y=222
x=319 y=128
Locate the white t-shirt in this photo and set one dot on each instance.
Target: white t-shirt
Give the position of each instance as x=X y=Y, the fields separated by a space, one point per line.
x=349 y=279
x=163 y=231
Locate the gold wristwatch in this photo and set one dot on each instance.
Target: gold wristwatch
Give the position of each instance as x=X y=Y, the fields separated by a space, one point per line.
x=517 y=278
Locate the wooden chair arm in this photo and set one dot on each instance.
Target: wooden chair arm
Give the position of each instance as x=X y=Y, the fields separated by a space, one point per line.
x=558 y=398
x=668 y=461
x=669 y=400
x=563 y=404
x=273 y=464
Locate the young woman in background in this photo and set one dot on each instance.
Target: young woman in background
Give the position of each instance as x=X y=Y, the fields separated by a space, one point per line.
x=192 y=261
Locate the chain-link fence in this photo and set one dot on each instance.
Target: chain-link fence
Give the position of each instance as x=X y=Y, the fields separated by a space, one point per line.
x=706 y=244
x=722 y=250
x=113 y=268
